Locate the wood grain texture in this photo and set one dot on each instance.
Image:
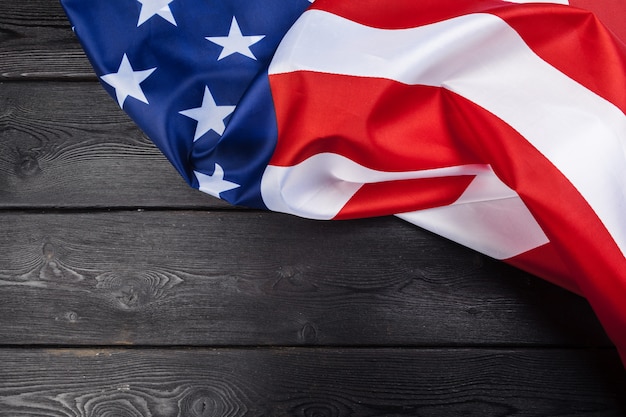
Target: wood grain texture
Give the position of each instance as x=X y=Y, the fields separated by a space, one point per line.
x=299 y=382
x=245 y=278
x=68 y=145
x=37 y=42
x=82 y=265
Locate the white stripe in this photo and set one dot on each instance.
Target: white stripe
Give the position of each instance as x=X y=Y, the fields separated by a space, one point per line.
x=320 y=186
x=481 y=58
x=489 y=217
x=498 y=227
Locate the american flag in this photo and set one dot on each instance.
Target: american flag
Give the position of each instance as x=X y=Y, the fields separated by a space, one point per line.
x=498 y=124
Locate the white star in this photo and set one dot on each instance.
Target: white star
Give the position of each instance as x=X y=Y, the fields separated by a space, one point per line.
x=209 y=116
x=150 y=8
x=126 y=82
x=214 y=184
x=235 y=42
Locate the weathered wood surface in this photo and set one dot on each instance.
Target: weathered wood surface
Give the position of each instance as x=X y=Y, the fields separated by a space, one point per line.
x=37 y=42
x=231 y=278
x=311 y=383
x=68 y=145
x=125 y=293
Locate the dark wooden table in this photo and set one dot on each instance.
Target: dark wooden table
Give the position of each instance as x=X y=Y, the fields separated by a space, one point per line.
x=125 y=293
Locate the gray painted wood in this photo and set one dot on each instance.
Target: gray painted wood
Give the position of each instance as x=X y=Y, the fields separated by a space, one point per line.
x=37 y=42
x=69 y=145
x=311 y=383
x=220 y=278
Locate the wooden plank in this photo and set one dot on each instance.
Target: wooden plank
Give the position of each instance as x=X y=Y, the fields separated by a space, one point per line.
x=69 y=145
x=36 y=41
x=312 y=382
x=245 y=278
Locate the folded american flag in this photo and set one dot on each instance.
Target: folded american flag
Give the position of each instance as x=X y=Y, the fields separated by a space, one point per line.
x=497 y=124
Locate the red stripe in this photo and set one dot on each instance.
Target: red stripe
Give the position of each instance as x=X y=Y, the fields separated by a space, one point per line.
x=393 y=197
x=380 y=124
x=406 y=130
x=611 y=12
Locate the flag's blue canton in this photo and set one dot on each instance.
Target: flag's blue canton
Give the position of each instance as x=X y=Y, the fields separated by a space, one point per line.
x=180 y=68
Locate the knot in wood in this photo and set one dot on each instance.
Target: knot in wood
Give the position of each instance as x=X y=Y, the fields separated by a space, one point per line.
x=49 y=251
x=129 y=292
x=210 y=402
x=27 y=166
x=51 y=267
x=134 y=290
x=292 y=278
x=71 y=317
x=308 y=334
